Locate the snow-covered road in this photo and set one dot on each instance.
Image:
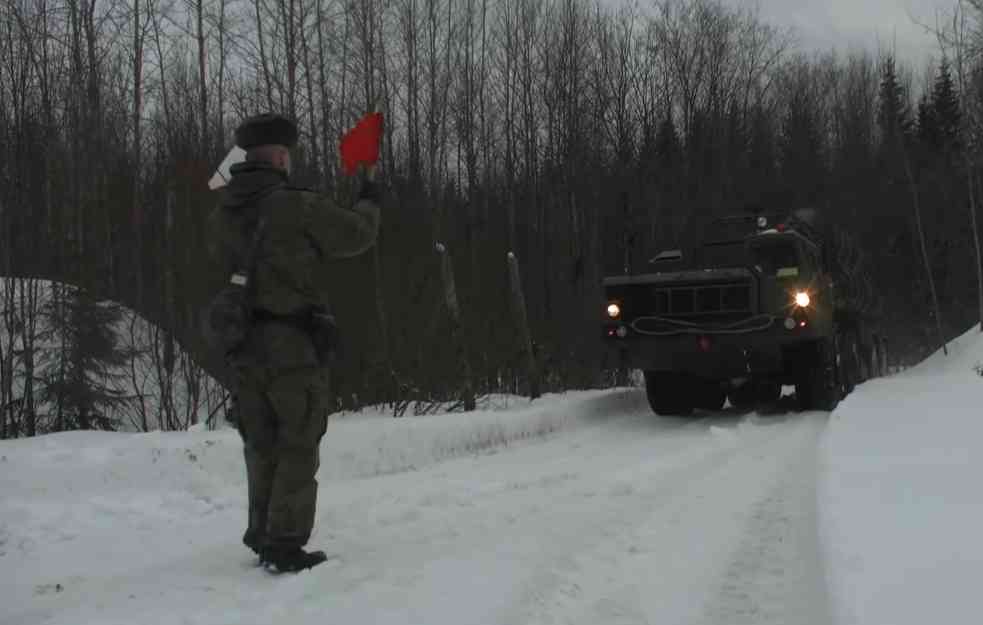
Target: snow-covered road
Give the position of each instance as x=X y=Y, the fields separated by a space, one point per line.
x=626 y=518
x=581 y=508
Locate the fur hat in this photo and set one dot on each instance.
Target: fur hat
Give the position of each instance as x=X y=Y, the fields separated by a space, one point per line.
x=266 y=129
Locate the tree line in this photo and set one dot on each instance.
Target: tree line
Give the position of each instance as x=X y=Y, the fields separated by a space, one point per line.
x=579 y=137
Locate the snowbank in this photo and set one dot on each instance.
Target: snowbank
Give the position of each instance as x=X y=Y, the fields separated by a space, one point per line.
x=72 y=465
x=357 y=447
x=59 y=486
x=900 y=502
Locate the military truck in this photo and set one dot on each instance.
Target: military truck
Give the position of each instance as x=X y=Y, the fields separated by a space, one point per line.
x=761 y=302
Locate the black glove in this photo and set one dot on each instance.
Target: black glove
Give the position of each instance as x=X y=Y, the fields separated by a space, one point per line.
x=369 y=191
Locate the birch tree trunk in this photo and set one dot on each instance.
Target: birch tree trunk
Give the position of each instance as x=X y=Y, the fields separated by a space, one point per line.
x=137 y=205
x=262 y=54
x=457 y=334
x=199 y=7
x=521 y=322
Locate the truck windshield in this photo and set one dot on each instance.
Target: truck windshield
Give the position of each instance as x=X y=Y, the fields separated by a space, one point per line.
x=776 y=259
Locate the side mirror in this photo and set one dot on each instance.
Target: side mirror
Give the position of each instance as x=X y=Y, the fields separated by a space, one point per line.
x=666 y=256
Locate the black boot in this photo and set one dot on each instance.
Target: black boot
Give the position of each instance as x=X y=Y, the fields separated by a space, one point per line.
x=255 y=543
x=291 y=559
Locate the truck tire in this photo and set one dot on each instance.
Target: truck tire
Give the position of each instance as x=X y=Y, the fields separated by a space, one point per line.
x=768 y=392
x=714 y=400
x=744 y=397
x=815 y=386
x=753 y=393
x=712 y=397
x=669 y=393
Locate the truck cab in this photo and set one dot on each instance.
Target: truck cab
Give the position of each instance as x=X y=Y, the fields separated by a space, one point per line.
x=746 y=310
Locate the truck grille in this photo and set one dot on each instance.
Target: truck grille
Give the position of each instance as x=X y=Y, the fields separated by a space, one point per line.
x=694 y=301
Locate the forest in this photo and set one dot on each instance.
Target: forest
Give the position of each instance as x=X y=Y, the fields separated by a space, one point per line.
x=580 y=136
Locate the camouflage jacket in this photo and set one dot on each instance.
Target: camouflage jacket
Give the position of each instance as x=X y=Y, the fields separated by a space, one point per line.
x=304 y=231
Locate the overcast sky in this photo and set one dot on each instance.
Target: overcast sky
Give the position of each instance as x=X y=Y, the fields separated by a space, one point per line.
x=845 y=24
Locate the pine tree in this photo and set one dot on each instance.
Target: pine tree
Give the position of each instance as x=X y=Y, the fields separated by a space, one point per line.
x=697 y=139
x=928 y=133
x=954 y=240
x=893 y=111
x=902 y=144
x=939 y=165
x=669 y=172
x=762 y=159
x=667 y=146
x=81 y=382
x=945 y=104
x=801 y=149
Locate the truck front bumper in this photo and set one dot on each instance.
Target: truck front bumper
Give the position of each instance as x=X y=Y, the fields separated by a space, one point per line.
x=764 y=351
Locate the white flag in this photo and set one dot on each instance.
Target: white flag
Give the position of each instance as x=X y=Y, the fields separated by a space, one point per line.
x=222 y=175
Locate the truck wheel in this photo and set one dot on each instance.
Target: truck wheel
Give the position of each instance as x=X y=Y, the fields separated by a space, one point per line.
x=743 y=397
x=768 y=392
x=669 y=393
x=815 y=387
x=712 y=397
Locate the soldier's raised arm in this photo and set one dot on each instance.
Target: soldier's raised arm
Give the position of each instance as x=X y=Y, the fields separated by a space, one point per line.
x=343 y=232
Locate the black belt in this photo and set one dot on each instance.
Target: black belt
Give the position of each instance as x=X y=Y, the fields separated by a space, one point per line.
x=261 y=315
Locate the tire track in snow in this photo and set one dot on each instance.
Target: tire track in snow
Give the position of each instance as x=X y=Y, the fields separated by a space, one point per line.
x=776 y=576
x=659 y=562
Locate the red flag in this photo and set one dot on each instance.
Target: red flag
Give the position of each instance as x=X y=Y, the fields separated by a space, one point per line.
x=360 y=145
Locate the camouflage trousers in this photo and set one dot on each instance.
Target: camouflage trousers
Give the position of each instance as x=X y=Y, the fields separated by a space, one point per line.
x=282 y=416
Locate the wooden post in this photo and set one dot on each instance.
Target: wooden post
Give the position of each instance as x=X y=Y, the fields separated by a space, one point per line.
x=887 y=360
x=454 y=310
x=521 y=320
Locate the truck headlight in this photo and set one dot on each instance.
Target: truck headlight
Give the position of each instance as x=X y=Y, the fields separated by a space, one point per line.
x=614 y=311
x=802 y=299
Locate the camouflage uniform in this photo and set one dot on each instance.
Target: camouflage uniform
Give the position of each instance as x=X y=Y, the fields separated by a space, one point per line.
x=280 y=386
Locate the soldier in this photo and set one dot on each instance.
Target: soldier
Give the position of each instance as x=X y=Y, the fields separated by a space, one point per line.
x=280 y=379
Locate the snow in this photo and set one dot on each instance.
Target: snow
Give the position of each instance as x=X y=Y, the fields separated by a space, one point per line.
x=59 y=491
x=578 y=508
x=582 y=507
x=900 y=502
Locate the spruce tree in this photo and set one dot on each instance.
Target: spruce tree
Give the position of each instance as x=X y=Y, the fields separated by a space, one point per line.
x=85 y=362
x=801 y=149
x=669 y=172
x=893 y=111
x=928 y=134
x=667 y=145
x=697 y=138
x=897 y=257
x=762 y=159
x=945 y=105
x=954 y=240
